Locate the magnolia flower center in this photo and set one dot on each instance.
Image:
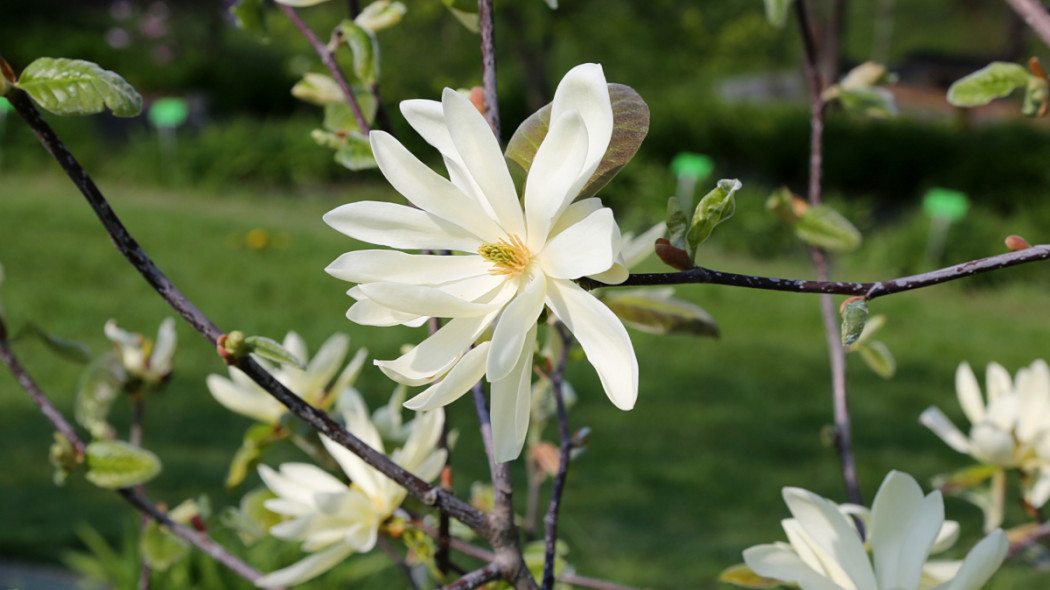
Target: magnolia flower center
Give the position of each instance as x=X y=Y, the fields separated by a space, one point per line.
x=508 y=257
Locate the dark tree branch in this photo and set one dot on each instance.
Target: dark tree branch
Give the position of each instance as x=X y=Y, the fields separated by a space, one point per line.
x=551 y=519
x=475 y=578
x=131 y=250
x=1035 y=14
x=486 y=23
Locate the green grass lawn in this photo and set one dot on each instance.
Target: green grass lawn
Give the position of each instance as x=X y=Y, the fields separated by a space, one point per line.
x=665 y=495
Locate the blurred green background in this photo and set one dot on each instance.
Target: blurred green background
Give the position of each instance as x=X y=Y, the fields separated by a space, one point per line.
x=666 y=495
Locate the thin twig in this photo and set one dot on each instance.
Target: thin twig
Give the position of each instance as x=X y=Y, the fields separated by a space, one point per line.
x=131 y=250
x=551 y=519
x=406 y=569
x=836 y=354
x=328 y=59
x=486 y=22
x=1035 y=15
x=475 y=578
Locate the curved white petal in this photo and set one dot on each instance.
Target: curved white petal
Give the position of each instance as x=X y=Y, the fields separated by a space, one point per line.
x=324 y=366
x=616 y=274
x=603 y=338
x=463 y=375
x=511 y=405
x=361 y=474
x=427 y=118
x=553 y=174
x=1033 y=392
x=636 y=249
x=422 y=300
x=997 y=382
x=946 y=538
x=812 y=554
x=779 y=563
x=429 y=190
x=1040 y=490
x=311 y=477
x=369 y=313
x=482 y=156
x=284 y=487
x=904 y=526
x=1003 y=411
x=991 y=444
x=164 y=347
x=830 y=530
x=969 y=393
x=433 y=356
x=934 y=419
x=253 y=403
x=513 y=326
x=426 y=431
x=393 y=266
x=588 y=247
x=307 y=568
x=981 y=562
x=398 y=226
x=584 y=89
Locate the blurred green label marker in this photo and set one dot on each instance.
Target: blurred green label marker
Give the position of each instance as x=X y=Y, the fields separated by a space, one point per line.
x=697 y=166
x=946 y=204
x=168 y=112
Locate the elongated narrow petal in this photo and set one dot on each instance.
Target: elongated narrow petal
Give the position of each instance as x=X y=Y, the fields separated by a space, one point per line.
x=588 y=247
x=325 y=364
x=255 y=404
x=969 y=392
x=934 y=419
x=584 y=89
x=904 y=526
x=513 y=326
x=812 y=554
x=393 y=266
x=423 y=300
x=552 y=177
x=829 y=529
x=361 y=474
x=307 y=568
x=164 y=347
x=428 y=119
x=432 y=357
x=1033 y=391
x=511 y=404
x=369 y=313
x=398 y=226
x=780 y=563
x=997 y=382
x=603 y=338
x=483 y=158
x=468 y=371
x=981 y=562
x=429 y=190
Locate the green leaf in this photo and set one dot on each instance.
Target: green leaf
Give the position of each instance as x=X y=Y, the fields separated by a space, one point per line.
x=356 y=153
x=340 y=119
x=777 y=12
x=469 y=6
x=854 y=316
x=247 y=457
x=878 y=358
x=824 y=227
x=97 y=389
x=677 y=224
x=67 y=349
x=381 y=14
x=77 y=87
x=655 y=311
x=251 y=16
x=160 y=548
x=869 y=101
x=318 y=89
x=716 y=207
x=272 y=351
x=365 y=49
x=995 y=80
x=116 y=464
x=630 y=126
x=741 y=575
x=1035 y=96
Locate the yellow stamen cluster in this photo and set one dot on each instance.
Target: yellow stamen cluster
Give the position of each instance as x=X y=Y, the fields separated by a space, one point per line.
x=508 y=257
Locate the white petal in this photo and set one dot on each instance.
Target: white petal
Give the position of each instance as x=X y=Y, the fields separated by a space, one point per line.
x=904 y=526
x=369 y=313
x=164 y=347
x=253 y=403
x=392 y=266
x=779 y=563
x=993 y=445
x=585 y=90
x=934 y=419
x=361 y=474
x=513 y=326
x=324 y=365
x=511 y=404
x=422 y=300
x=981 y=562
x=307 y=568
x=552 y=180
x=428 y=120
x=830 y=530
x=938 y=572
x=636 y=250
x=588 y=247
x=398 y=226
x=997 y=382
x=285 y=487
x=814 y=555
x=969 y=393
x=432 y=357
x=1040 y=490
x=468 y=371
x=429 y=190
x=426 y=431
x=1033 y=391
x=947 y=537
x=311 y=477
x=483 y=158
x=603 y=338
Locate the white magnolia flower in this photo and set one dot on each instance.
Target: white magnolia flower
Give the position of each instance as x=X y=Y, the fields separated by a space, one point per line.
x=519 y=256
x=141 y=358
x=1009 y=429
x=825 y=552
x=318 y=385
x=332 y=519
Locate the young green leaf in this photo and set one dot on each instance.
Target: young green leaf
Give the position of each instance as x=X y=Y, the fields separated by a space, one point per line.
x=97 y=389
x=824 y=227
x=993 y=81
x=356 y=153
x=878 y=358
x=630 y=126
x=365 y=49
x=67 y=349
x=77 y=87
x=777 y=12
x=869 y=101
x=381 y=14
x=251 y=16
x=1036 y=93
x=114 y=464
x=271 y=350
x=318 y=89
x=716 y=207
x=677 y=224
x=655 y=311
x=854 y=315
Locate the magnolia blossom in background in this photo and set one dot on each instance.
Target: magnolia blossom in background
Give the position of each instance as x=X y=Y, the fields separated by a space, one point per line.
x=825 y=551
x=519 y=256
x=142 y=359
x=1010 y=430
x=318 y=384
x=332 y=519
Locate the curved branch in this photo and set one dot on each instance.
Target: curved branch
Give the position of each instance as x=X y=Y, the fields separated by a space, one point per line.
x=1034 y=15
